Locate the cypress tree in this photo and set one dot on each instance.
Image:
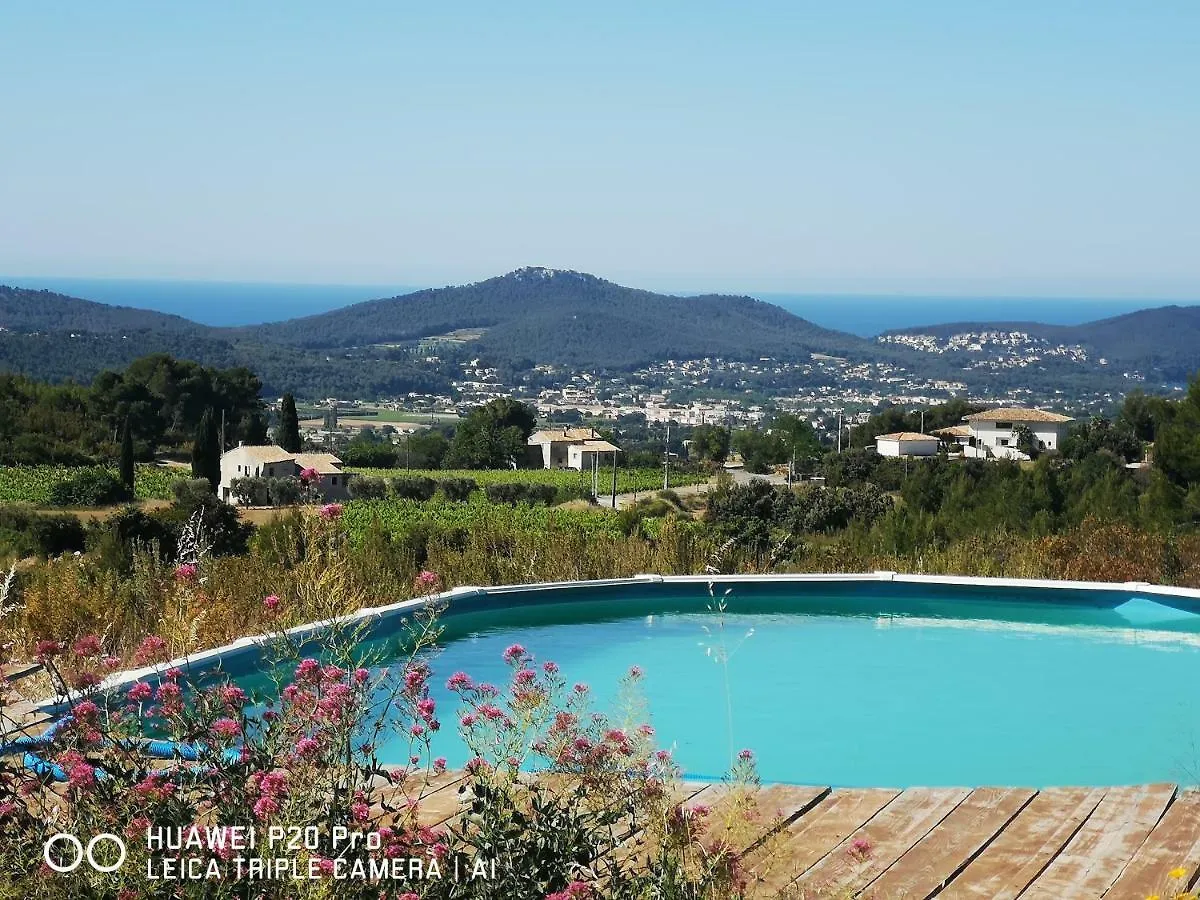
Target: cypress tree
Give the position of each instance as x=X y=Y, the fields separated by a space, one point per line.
x=206 y=450
x=126 y=466
x=288 y=433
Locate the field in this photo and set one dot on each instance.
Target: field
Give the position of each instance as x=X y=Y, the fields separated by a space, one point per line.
x=398 y=517
x=32 y=484
x=570 y=484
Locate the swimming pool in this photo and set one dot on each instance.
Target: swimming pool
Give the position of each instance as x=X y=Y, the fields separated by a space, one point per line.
x=870 y=681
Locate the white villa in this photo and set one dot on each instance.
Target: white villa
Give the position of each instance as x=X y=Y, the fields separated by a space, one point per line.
x=569 y=448
x=990 y=433
x=272 y=461
x=906 y=443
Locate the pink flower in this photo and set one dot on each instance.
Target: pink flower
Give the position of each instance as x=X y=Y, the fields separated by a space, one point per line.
x=635 y=672
x=859 y=850
x=85 y=680
x=271 y=603
x=232 y=695
x=140 y=691
x=330 y=511
x=307 y=746
x=226 y=728
x=581 y=688
x=185 y=572
x=82 y=776
x=361 y=675
x=87 y=646
x=265 y=807
x=308 y=475
x=576 y=890
x=514 y=653
x=746 y=755
x=151 y=649
x=439 y=765
x=427 y=582
x=47 y=649
x=360 y=811
x=460 y=681
x=308 y=670
x=524 y=676
x=550 y=667
x=85 y=711
x=467 y=721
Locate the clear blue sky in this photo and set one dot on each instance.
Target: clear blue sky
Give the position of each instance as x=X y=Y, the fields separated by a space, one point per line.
x=1045 y=147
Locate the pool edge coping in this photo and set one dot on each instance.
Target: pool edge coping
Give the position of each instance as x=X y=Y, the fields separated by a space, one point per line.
x=246 y=644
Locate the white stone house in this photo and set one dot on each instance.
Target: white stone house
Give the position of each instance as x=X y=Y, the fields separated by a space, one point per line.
x=272 y=461
x=569 y=448
x=906 y=443
x=989 y=434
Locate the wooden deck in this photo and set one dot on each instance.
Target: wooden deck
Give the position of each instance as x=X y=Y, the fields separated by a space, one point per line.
x=953 y=843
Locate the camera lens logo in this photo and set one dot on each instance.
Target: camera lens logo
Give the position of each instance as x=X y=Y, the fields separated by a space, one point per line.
x=71 y=859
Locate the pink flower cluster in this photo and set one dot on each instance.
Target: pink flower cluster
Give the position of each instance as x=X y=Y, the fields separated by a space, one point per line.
x=186 y=572
x=270 y=788
x=309 y=475
x=330 y=512
x=576 y=890
x=427 y=582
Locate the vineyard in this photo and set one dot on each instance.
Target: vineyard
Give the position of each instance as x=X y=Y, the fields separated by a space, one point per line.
x=33 y=484
x=400 y=517
x=570 y=484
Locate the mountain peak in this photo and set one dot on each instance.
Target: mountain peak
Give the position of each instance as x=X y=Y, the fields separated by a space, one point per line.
x=543 y=273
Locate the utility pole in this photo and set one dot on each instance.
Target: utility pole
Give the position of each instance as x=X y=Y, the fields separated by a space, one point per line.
x=667 y=458
x=222 y=431
x=614 y=484
x=839 y=449
x=792 y=466
x=922 y=420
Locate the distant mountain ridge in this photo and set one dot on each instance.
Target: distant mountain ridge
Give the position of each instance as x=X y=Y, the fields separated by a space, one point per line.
x=1164 y=339
x=571 y=318
x=537 y=315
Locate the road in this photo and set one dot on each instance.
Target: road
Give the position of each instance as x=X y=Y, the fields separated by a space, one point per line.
x=740 y=476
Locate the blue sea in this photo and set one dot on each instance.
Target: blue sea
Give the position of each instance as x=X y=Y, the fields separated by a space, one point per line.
x=247 y=303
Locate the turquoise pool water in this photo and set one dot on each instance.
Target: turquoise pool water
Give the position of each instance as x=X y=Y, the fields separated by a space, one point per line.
x=878 y=684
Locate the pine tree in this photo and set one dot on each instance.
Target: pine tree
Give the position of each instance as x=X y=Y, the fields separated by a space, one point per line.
x=126 y=465
x=287 y=435
x=206 y=450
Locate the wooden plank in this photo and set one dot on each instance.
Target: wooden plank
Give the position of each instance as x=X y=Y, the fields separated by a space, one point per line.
x=806 y=840
x=17 y=670
x=941 y=854
x=745 y=822
x=889 y=835
x=1108 y=840
x=1173 y=844
x=1010 y=863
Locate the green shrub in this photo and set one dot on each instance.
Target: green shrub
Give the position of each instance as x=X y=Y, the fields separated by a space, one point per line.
x=90 y=486
x=251 y=491
x=511 y=492
x=458 y=489
x=366 y=487
x=24 y=532
x=408 y=487
x=284 y=491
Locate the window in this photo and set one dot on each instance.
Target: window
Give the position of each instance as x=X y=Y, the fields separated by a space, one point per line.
x=333 y=480
x=1003 y=442
x=1003 y=426
x=1041 y=445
